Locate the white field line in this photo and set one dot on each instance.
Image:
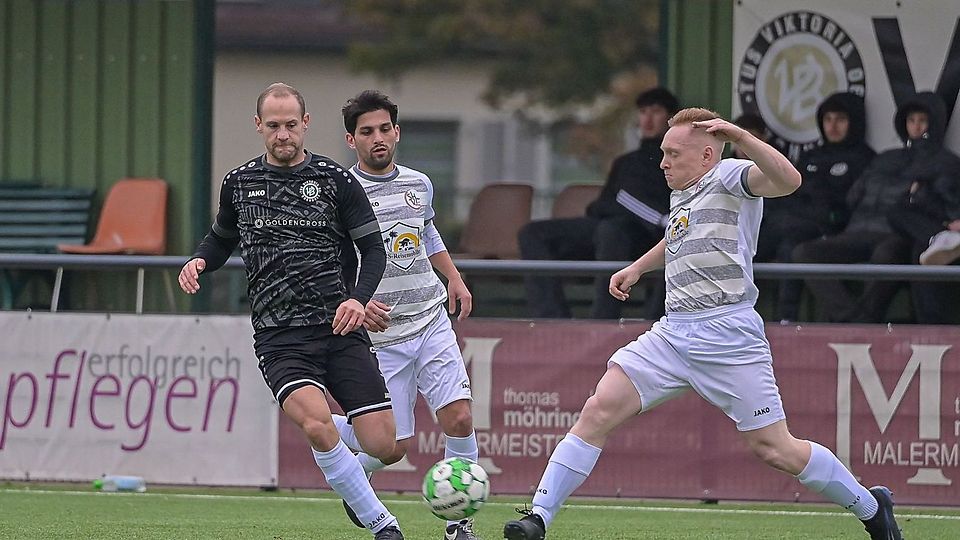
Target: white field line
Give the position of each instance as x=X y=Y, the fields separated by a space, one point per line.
x=575 y=506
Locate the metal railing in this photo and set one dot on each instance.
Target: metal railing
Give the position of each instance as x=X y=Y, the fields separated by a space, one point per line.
x=60 y=263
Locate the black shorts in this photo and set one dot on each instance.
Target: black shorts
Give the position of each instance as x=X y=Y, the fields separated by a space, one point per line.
x=297 y=356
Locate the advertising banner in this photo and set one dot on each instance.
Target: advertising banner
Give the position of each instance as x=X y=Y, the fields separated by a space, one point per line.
x=787 y=59
x=886 y=400
x=174 y=399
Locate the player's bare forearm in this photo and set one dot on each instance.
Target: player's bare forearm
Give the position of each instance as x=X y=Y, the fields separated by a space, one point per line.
x=654 y=259
x=622 y=282
x=442 y=261
x=457 y=291
x=774 y=175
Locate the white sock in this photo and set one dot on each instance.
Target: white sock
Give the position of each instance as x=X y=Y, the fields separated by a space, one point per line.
x=347 y=434
x=369 y=463
x=570 y=464
x=824 y=474
x=465 y=447
x=346 y=477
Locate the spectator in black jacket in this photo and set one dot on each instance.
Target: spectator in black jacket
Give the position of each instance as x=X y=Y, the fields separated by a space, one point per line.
x=625 y=221
x=819 y=207
x=755 y=125
x=869 y=237
x=929 y=217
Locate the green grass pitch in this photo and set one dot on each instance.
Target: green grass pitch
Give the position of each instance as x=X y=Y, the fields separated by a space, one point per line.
x=30 y=511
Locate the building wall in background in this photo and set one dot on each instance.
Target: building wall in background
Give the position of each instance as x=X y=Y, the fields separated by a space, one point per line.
x=490 y=145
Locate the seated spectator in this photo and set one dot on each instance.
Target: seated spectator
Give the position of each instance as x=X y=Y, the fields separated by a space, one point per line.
x=626 y=220
x=755 y=125
x=868 y=237
x=929 y=216
x=819 y=207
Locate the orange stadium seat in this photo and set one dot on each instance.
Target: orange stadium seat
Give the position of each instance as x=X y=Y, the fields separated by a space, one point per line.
x=496 y=215
x=133 y=220
x=572 y=201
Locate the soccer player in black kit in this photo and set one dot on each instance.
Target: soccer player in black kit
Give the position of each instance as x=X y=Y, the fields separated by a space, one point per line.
x=292 y=212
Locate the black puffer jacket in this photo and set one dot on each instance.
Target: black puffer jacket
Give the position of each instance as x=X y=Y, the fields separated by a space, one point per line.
x=830 y=169
x=923 y=162
x=639 y=174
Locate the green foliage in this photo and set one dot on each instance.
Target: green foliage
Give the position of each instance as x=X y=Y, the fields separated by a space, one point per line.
x=544 y=52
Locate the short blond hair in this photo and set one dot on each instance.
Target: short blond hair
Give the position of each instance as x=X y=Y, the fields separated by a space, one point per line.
x=691 y=115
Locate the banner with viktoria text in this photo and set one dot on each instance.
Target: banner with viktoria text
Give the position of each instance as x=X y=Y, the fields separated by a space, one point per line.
x=886 y=400
x=174 y=399
x=788 y=57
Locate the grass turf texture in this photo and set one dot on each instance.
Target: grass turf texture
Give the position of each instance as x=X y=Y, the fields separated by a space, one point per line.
x=44 y=511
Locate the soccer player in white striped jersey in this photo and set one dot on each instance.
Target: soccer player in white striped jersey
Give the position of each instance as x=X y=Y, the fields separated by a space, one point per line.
x=711 y=339
x=409 y=326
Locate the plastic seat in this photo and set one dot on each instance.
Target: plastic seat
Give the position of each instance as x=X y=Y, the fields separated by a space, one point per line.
x=133 y=220
x=572 y=201
x=497 y=214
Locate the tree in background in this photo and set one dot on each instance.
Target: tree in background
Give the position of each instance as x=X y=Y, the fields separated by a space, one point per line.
x=580 y=59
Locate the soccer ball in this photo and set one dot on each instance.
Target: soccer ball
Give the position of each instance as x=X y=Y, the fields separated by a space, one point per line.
x=455 y=488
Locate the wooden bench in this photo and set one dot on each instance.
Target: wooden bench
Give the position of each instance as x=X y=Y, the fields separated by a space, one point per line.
x=35 y=219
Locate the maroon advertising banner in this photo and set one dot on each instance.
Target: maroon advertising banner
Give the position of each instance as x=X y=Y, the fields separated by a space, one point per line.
x=885 y=399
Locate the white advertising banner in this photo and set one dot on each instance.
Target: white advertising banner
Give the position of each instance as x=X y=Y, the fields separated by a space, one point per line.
x=787 y=59
x=174 y=399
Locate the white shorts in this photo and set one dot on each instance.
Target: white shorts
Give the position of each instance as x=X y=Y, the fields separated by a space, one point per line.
x=430 y=363
x=721 y=353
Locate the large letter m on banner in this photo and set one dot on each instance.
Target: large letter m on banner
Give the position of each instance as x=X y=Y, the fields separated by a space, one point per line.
x=854 y=358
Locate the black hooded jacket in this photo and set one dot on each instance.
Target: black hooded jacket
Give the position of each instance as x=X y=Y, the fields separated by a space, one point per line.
x=923 y=174
x=639 y=174
x=829 y=170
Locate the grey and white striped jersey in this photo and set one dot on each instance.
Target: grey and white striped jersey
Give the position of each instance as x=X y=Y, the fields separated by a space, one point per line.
x=711 y=239
x=403 y=203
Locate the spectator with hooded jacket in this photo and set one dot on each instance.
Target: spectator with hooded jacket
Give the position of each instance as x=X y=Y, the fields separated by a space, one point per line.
x=931 y=210
x=819 y=207
x=881 y=191
x=626 y=220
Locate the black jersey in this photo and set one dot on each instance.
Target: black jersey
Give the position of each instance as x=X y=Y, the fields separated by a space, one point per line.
x=291 y=225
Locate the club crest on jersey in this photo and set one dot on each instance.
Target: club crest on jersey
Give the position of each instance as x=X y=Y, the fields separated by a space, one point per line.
x=402 y=243
x=310 y=190
x=677 y=229
x=413 y=200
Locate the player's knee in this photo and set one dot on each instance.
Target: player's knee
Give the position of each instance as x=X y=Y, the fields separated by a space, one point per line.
x=596 y=413
x=321 y=433
x=456 y=419
x=395 y=453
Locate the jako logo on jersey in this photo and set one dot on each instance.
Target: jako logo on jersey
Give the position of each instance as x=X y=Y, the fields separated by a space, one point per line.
x=412 y=199
x=793 y=63
x=310 y=190
x=677 y=229
x=257 y=193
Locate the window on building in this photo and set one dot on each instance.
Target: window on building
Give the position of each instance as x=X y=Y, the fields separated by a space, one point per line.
x=431 y=147
x=575 y=158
